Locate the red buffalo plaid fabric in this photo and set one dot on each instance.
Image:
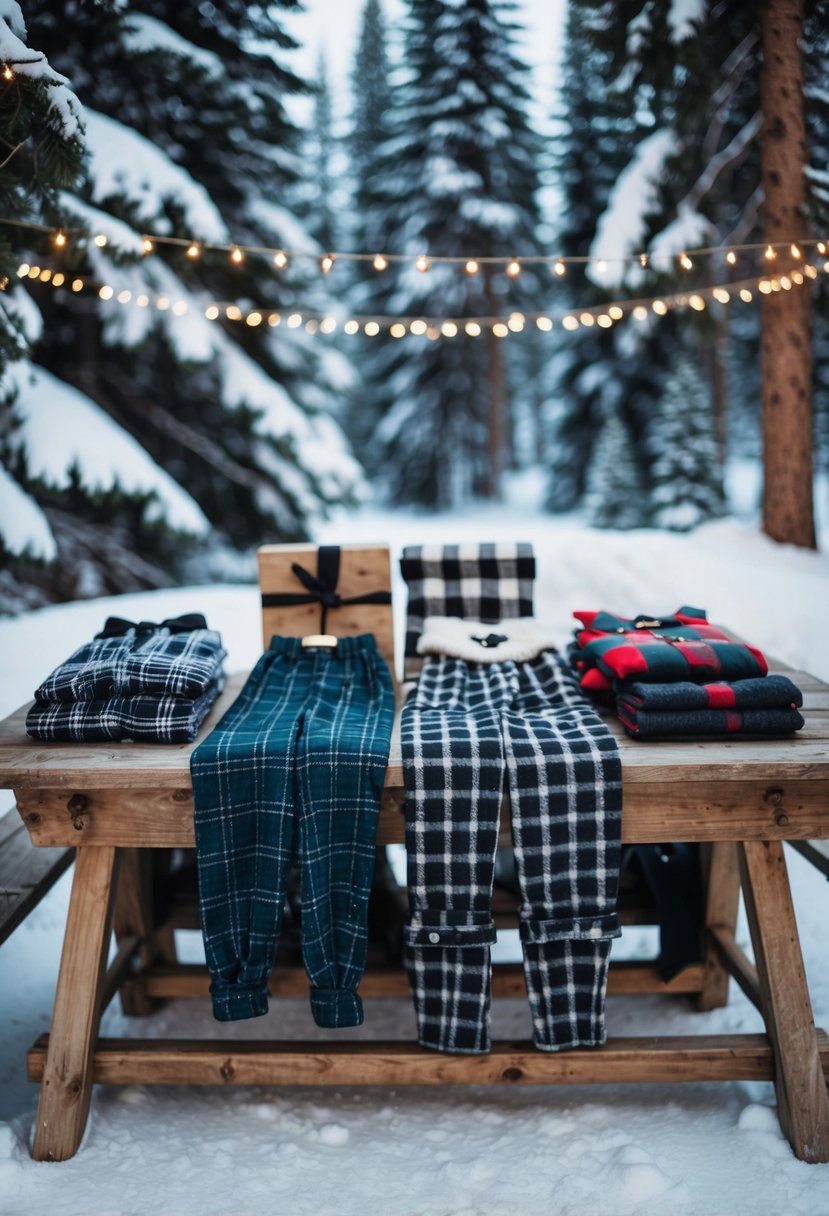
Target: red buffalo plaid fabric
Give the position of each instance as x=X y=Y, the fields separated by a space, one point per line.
x=651 y=649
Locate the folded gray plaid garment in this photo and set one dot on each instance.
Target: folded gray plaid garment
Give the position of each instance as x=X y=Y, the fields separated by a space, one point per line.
x=145 y=719
x=138 y=662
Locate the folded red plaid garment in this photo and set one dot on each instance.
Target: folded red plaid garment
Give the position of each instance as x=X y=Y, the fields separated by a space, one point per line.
x=683 y=646
x=693 y=723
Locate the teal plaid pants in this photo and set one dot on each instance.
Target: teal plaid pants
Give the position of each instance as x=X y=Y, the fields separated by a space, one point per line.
x=293 y=771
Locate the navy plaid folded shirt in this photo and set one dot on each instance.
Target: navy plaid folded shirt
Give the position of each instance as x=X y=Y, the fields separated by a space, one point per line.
x=158 y=662
x=144 y=719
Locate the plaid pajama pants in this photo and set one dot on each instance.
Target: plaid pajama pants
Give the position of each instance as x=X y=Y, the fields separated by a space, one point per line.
x=294 y=769
x=464 y=728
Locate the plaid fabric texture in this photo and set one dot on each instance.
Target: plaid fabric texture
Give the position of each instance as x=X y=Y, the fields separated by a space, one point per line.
x=147 y=719
x=766 y=692
x=486 y=582
x=465 y=728
x=694 y=723
x=294 y=770
x=157 y=662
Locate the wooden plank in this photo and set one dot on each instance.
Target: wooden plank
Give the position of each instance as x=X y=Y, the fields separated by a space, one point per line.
x=737 y=963
x=133 y=918
x=119 y=969
x=700 y=811
x=26 y=873
x=654 y=1059
x=802 y=1100
x=363 y=568
x=722 y=900
x=66 y=1085
x=625 y=978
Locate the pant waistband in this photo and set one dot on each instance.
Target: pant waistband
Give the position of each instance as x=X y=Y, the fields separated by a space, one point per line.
x=363 y=643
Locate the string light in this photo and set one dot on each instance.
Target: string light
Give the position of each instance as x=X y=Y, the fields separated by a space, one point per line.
x=326 y=263
x=794 y=250
x=472 y=267
x=147 y=245
x=101 y=240
x=379 y=262
x=731 y=257
x=685 y=262
x=821 y=248
x=280 y=259
x=447 y=327
x=193 y=250
x=8 y=74
x=236 y=255
x=643 y=260
x=513 y=268
x=770 y=254
x=559 y=268
x=60 y=238
x=422 y=264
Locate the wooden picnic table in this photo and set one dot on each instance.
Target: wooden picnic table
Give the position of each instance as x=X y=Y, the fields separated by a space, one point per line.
x=117 y=803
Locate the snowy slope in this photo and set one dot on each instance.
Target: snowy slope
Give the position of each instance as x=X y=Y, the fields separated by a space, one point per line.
x=569 y=1151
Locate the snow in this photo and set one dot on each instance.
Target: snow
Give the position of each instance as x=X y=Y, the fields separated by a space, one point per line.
x=636 y=1150
x=681 y=18
x=23 y=526
x=621 y=229
x=125 y=164
x=61 y=429
x=146 y=34
x=120 y=237
x=689 y=230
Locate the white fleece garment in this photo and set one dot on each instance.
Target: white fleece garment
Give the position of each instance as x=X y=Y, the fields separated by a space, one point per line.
x=455 y=637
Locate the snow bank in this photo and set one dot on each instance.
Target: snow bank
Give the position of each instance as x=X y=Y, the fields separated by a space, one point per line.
x=28 y=62
x=23 y=526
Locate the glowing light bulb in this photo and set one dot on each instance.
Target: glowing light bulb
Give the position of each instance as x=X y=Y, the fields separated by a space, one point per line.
x=280 y=259
x=685 y=262
x=211 y=312
x=640 y=313
x=253 y=319
x=328 y=325
x=770 y=253
x=449 y=329
x=745 y=295
x=236 y=256
x=601 y=266
x=193 y=250
x=471 y=266
x=60 y=239
x=397 y=330
x=616 y=312
x=513 y=268
x=422 y=264
x=795 y=251
x=326 y=263
x=659 y=307
x=100 y=240
x=643 y=260
x=59 y=279
x=500 y=330
x=697 y=303
x=379 y=262
x=418 y=327
x=570 y=322
x=604 y=321
x=77 y=284
x=105 y=292
x=8 y=74
x=586 y=318
x=371 y=329
x=472 y=328
x=544 y=324
x=352 y=327
x=559 y=268
x=731 y=258
x=147 y=245
x=294 y=320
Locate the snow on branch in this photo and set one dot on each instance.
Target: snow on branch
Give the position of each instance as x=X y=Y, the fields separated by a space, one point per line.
x=61 y=429
x=27 y=62
x=125 y=164
x=24 y=529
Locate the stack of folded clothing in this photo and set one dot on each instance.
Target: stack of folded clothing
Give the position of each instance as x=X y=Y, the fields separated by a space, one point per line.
x=153 y=683
x=678 y=676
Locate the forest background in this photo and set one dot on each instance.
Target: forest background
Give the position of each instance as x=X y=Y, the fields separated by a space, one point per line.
x=186 y=403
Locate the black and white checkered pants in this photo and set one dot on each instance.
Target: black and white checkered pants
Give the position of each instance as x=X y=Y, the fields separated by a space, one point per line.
x=464 y=728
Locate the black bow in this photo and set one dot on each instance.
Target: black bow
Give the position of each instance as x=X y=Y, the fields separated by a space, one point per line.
x=322 y=587
x=117 y=626
x=490 y=640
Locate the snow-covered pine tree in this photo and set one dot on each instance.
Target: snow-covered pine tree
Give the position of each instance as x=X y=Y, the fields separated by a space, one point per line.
x=188 y=135
x=615 y=496
x=686 y=481
x=458 y=173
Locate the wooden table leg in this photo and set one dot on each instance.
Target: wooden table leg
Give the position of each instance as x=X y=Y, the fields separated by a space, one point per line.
x=802 y=1100
x=66 y=1087
x=722 y=900
x=133 y=915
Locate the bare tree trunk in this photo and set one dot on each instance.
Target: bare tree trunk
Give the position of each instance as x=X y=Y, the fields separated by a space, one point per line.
x=497 y=402
x=787 y=347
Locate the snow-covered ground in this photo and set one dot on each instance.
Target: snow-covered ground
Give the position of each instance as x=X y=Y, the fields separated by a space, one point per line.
x=569 y=1151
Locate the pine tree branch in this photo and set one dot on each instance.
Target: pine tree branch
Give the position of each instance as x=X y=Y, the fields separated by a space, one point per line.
x=3 y=163
x=731 y=154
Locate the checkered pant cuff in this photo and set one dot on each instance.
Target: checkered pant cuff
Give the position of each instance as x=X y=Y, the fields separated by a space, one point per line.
x=235 y=1004
x=335 y=1008
x=566 y=985
x=451 y=994
x=564 y=928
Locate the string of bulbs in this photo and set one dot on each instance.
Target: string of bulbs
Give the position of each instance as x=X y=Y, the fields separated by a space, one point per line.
x=604 y=316
x=472 y=264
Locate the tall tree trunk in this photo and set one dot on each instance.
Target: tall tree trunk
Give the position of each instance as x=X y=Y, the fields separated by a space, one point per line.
x=787 y=347
x=497 y=395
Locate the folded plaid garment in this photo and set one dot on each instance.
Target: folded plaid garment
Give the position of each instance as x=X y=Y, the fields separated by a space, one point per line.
x=140 y=661
x=144 y=719
x=482 y=582
x=766 y=692
x=681 y=647
x=645 y=723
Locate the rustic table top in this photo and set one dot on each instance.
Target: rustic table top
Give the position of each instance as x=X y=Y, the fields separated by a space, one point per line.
x=28 y=764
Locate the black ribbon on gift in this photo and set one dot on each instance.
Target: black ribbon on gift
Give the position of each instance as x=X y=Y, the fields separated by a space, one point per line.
x=118 y=626
x=322 y=588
